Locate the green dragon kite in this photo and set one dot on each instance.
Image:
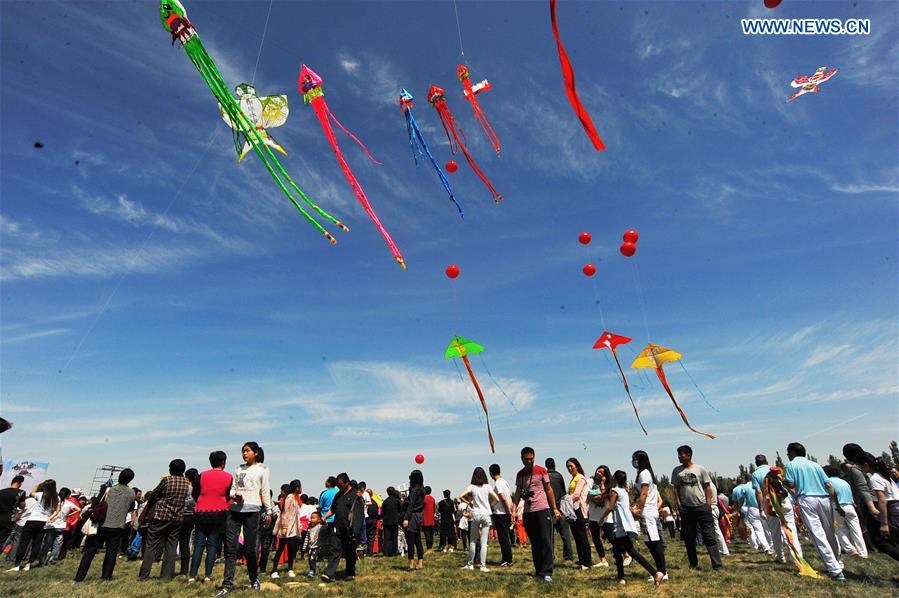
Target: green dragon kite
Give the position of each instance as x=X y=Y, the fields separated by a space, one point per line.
x=174 y=19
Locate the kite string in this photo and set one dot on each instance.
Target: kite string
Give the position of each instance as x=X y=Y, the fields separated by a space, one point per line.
x=459 y=29
x=696 y=386
x=639 y=286
x=489 y=375
x=261 y=42
x=602 y=318
x=140 y=250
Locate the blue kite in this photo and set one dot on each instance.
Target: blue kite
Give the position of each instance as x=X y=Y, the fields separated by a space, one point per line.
x=420 y=147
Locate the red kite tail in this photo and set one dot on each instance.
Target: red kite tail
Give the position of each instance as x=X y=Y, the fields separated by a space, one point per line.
x=683 y=415
x=356 y=139
x=481 y=117
x=570 y=88
x=450 y=126
x=628 y=390
x=477 y=387
x=322 y=112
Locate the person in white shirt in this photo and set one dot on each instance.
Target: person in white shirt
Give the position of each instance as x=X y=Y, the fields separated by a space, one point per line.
x=56 y=527
x=625 y=529
x=481 y=498
x=502 y=515
x=597 y=497
x=40 y=507
x=646 y=508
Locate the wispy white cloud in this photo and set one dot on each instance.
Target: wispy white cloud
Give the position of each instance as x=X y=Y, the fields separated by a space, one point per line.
x=866 y=188
x=33 y=335
x=826 y=353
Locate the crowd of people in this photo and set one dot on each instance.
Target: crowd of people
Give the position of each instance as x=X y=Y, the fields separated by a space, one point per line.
x=847 y=511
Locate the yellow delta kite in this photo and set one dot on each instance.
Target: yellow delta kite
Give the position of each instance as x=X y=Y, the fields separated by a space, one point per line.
x=655 y=356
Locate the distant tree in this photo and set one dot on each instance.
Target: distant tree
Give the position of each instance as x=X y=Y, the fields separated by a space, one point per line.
x=894 y=450
x=742 y=470
x=887 y=459
x=812 y=458
x=831 y=460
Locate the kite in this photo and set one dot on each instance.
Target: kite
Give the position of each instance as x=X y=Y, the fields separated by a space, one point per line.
x=437 y=97
x=611 y=341
x=174 y=19
x=265 y=113
x=462 y=347
x=420 y=147
x=471 y=93
x=570 y=87
x=811 y=84
x=654 y=356
x=310 y=85
x=774 y=490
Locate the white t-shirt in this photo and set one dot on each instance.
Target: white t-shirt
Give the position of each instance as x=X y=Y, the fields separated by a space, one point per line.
x=624 y=521
x=59 y=522
x=594 y=510
x=480 y=499
x=878 y=482
x=501 y=487
x=651 y=506
x=34 y=510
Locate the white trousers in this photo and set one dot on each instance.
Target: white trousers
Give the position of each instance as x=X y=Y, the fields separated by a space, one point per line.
x=849 y=532
x=817 y=513
x=719 y=536
x=777 y=536
x=757 y=539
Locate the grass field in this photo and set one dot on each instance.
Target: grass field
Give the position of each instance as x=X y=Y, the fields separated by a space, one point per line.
x=745 y=574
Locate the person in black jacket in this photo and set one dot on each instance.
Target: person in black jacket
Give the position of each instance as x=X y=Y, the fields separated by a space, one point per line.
x=349 y=517
x=560 y=489
x=371 y=525
x=390 y=521
x=447 y=511
x=412 y=518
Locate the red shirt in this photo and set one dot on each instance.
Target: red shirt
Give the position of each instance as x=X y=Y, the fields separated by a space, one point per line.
x=534 y=481
x=214 y=486
x=427 y=515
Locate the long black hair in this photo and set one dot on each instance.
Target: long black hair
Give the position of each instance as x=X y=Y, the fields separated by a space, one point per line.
x=260 y=454
x=609 y=481
x=416 y=479
x=642 y=460
x=577 y=465
x=49 y=498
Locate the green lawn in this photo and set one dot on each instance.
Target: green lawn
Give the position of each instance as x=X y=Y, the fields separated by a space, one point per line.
x=745 y=574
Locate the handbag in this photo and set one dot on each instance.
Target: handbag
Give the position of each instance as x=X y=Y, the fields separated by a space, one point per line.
x=90 y=528
x=566 y=507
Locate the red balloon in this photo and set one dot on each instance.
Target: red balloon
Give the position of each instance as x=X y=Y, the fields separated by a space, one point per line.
x=584 y=238
x=451 y=166
x=628 y=249
x=589 y=270
x=419 y=458
x=631 y=236
x=772 y=3
x=452 y=271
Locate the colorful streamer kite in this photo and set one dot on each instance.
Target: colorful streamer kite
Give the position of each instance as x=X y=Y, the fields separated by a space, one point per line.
x=611 y=341
x=310 y=85
x=774 y=490
x=174 y=19
x=811 y=84
x=570 y=86
x=654 y=356
x=420 y=147
x=462 y=347
x=437 y=98
x=265 y=113
x=471 y=94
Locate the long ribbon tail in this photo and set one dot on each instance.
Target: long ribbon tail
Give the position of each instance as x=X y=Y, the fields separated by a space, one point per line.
x=481 y=117
x=696 y=386
x=449 y=122
x=207 y=69
x=805 y=569
x=413 y=143
x=321 y=110
x=477 y=387
x=570 y=87
x=423 y=145
x=345 y=130
x=683 y=415
x=628 y=391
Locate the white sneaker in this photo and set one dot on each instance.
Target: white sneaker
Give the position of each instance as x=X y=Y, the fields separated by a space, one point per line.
x=484 y=569
x=14 y=569
x=664 y=578
x=600 y=564
x=628 y=560
x=468 y=567
x=275 y=575
x=291 y=573
x=191 y=579
x=27 y=567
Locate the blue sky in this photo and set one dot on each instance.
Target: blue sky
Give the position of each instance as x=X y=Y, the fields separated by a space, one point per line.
x=140 y=323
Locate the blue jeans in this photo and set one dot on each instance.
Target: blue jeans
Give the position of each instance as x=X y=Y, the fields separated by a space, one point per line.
x=208 y=536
